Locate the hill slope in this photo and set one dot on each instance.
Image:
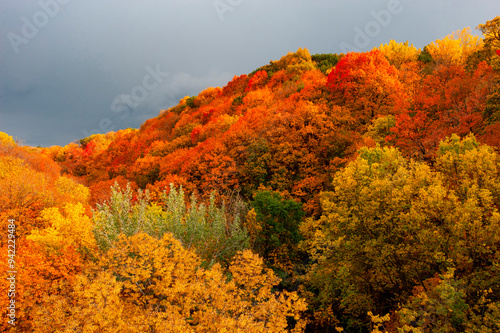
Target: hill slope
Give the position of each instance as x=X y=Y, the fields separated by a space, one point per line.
x=401 y=146
x=289 y=125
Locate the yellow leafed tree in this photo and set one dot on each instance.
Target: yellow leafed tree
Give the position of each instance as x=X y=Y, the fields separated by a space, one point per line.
x=454 y=49
x=145 y=284
x=399 y=53
x=68 y=226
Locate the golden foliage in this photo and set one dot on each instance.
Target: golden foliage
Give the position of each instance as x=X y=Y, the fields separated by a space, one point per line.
x=454 y=48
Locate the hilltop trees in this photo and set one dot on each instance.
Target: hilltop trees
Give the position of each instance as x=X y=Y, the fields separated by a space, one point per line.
x=367 y=84
x=283 y=125
x=454 y=49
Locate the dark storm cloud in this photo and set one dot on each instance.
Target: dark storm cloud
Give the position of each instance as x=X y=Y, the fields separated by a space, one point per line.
x=71 y=67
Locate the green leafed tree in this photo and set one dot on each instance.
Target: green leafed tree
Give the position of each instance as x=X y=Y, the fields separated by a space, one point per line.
x=206 y=229
x=276 y=226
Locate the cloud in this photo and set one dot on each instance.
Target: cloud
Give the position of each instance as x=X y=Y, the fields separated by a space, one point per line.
x=93 y=54
x=146 y=99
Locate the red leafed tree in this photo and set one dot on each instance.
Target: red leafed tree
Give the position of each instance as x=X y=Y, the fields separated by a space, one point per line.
x=257 y=81
x=450 y=100
x=367 y=84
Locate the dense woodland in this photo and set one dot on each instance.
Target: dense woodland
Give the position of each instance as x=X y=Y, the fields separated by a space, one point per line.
x=353 y=192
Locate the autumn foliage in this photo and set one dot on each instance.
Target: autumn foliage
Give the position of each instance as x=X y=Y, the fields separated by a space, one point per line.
x=367 y=84
x=356 y=192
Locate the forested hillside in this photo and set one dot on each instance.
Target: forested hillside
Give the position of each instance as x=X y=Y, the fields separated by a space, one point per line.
x=350 y=192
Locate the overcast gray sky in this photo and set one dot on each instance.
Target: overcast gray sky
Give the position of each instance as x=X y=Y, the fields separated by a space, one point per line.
x=71 y=68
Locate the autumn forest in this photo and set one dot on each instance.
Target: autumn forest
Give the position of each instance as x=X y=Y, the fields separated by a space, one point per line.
x=354 y=192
